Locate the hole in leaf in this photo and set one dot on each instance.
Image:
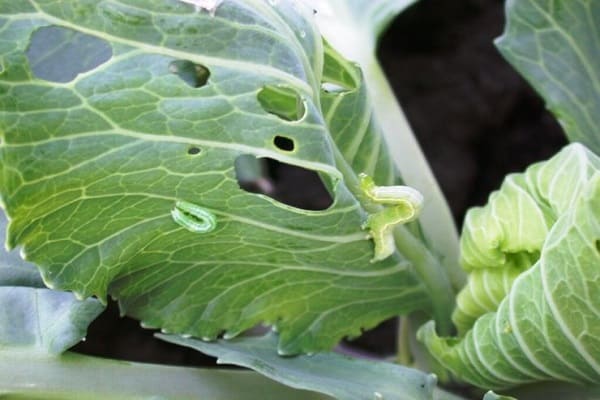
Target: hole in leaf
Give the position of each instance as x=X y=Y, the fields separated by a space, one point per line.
x=193 y=150
x=59 y=54
x=195 y=75
x=289 y=184
x=373 y=343
x=282 y=101
x=284 y=143
x=598 y=245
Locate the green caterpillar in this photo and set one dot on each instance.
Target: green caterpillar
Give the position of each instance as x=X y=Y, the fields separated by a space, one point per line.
x=402 y=204
x=193 y=218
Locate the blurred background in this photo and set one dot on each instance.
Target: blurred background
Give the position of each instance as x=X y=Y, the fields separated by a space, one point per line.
x=474 y=117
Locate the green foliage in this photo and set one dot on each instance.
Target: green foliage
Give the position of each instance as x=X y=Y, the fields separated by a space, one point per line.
x=37 y=325
x=43 y=320
x=555 y=44
x=333 y=374
x=95 y=166
x=33 y=319
x=129 y=130
x=544 y=327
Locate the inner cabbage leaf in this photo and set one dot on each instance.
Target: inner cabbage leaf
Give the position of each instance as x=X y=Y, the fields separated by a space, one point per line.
x=530 y=309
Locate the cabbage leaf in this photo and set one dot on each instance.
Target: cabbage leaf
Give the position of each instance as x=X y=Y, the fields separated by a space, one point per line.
x=530 y=309
x=33 y=319
x=555 y=46
x=118 y=169
x=333 y=374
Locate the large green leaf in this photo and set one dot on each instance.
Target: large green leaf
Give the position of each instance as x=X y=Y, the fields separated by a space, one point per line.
x=37 y=325
x=351 y=122
x=333 y=374
x=543 y=325
x=555 y=44
x=121 y=181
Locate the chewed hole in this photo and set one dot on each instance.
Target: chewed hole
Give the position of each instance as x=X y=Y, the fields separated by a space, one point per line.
x=282 y=101
x=251 y=174
x=195 y=75
x=59 y=54
x=289 y=184
x=193 y=150
x=284 y=143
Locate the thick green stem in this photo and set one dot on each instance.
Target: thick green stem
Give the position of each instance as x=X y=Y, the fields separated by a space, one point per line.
x=77 y=377
x=404 y=355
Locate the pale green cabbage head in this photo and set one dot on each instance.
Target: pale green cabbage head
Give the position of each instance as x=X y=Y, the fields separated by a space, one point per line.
x=531 y=308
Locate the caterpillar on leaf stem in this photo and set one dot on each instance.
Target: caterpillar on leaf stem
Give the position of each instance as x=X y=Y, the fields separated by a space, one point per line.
x=401 y=204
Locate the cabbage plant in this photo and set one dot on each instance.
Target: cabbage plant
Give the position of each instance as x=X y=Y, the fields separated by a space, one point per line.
x=134 y=139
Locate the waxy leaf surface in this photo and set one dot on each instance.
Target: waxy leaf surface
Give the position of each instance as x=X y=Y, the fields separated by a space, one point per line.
x=555 y=44
x=336 y=375
x=119 y=177
x=541 y=325
x=36 y=320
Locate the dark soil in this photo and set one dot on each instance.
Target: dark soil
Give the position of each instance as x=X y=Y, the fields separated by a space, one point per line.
x=475 y=118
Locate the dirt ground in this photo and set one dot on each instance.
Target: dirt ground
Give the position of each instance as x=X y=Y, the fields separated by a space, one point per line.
x=475 y=118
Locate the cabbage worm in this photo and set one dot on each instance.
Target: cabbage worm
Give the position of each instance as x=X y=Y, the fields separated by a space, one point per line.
x=193 y=217
x=401 y=204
